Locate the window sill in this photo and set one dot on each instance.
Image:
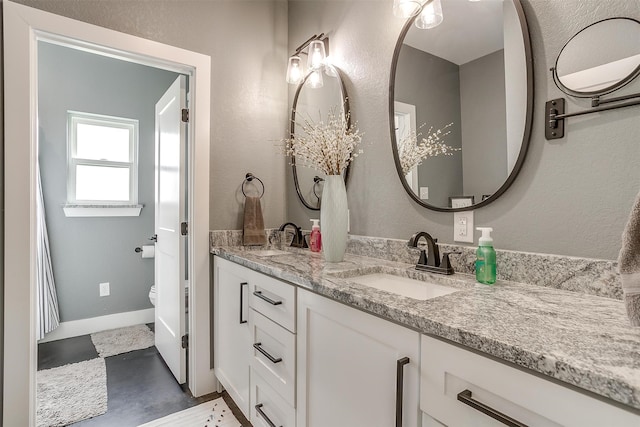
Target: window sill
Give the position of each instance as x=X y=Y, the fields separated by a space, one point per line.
x=101 y=210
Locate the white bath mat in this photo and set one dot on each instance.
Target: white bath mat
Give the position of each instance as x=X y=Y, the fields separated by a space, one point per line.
x=215 y=413
x=71 y=393
x=122 y=340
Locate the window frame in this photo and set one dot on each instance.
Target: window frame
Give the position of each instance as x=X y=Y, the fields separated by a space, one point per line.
x=73 y=119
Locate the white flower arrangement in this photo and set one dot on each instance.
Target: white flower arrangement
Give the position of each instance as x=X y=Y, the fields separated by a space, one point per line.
x=328 y=146
x=412 y=153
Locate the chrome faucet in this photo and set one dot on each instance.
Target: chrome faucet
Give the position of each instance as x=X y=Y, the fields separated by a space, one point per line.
x=431 y=262
x=298 y=240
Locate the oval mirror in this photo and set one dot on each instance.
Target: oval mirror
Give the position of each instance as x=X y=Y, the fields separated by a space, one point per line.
x=613 y=58
x=314 y=104
x=461 y=103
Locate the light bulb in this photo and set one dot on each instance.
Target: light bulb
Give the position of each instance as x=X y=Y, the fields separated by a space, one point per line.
x=406 y=8
x=431 y=15
x=316 y=55
x=295 y=72
x=315 y=79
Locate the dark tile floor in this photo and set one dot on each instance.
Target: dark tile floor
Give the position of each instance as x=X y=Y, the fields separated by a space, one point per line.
x=140 y=387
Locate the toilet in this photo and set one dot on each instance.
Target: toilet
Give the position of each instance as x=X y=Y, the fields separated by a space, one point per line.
x=152 y=295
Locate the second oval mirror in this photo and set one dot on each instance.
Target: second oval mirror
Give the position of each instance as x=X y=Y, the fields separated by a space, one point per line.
x=314 y=102
x=460 y=104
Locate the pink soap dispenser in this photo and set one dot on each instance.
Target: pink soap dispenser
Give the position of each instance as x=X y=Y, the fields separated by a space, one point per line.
x=315 y=241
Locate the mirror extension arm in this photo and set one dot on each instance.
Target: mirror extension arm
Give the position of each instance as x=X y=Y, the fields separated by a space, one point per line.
x=555 y=112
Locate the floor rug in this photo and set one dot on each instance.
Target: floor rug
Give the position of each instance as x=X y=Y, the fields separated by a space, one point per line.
x=122 y=340
x=71 y=393
x=215 y=413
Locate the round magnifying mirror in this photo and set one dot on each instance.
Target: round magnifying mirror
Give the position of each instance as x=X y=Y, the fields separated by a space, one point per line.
x=599 y=59
x=320 y=93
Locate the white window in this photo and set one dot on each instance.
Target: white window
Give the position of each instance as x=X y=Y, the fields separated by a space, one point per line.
x=102 y=160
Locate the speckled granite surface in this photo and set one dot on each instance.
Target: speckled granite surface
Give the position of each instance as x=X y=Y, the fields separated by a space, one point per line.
x=589 y=276
x=574 y=337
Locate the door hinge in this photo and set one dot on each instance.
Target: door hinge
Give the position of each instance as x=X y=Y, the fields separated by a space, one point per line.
x=185 y=341
x=184 y=228
x=185 y=115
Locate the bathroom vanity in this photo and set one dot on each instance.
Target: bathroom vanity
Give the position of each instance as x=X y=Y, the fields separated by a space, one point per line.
x=299 y=342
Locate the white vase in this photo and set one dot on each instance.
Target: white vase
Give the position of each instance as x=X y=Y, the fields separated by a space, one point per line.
x=334 y=218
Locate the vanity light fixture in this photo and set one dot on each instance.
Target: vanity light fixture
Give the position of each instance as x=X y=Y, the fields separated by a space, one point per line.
x=318 y=51
x=430 y=16
x=406 y=8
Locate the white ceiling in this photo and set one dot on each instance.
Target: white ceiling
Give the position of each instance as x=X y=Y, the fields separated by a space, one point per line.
x=470 y=30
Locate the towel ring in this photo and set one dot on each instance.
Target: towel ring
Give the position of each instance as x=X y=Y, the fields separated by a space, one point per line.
x=248 y=178
x=316 y=180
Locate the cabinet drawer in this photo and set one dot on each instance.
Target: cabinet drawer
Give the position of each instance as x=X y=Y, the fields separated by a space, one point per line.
x=273 y=355
x=267 y=406
x=274 y=299
x=448 y=370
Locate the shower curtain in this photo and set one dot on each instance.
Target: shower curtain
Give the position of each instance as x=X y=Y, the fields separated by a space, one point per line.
x=47 y=311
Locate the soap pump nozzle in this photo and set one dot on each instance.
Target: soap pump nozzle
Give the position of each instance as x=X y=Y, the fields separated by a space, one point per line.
x=485 y=239
x=315 y=223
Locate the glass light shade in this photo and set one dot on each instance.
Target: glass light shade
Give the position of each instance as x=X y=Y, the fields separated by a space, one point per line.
x=316 y=55
x=295 y=71
x=315 y=79
x=406 y=8
x=431 y=15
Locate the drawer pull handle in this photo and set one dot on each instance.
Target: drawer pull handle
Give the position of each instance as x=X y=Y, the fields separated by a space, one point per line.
x=267 y=299
x=242 y=319
x=400 y=389
x=263 y=415
x=258 y=346
x=465 y=397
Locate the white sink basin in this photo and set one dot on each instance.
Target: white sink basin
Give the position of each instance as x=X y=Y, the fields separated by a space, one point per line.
x=404 y=286
x=268 y=252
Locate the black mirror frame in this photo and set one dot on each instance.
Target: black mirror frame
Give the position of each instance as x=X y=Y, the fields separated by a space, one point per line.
x=292 y=128
x=527 y=126
x=628 y=79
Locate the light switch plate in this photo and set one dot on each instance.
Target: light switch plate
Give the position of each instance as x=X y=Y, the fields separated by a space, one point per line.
x=463 y=227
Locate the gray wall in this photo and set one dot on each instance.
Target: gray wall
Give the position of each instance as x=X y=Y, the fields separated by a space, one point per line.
x=484 y=125
x=247 y=42
x=572 y=196
x=421 y=79
x=88 y=251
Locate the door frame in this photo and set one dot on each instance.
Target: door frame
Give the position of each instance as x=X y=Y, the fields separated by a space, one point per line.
x=23 y=27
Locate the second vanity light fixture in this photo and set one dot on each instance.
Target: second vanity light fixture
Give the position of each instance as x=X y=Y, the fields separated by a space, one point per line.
x=430 y=12
x=318 y=48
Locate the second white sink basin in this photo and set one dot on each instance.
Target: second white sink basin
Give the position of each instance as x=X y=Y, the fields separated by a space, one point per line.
x=404 y=286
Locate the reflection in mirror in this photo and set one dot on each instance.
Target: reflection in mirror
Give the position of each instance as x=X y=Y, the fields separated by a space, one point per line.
x=613 y=58
x=314 y=104
x=464 y=88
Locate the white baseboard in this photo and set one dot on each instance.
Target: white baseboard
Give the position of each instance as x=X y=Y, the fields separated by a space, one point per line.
x=76 y=328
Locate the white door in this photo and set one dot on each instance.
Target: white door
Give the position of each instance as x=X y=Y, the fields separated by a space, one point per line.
x=170 y=212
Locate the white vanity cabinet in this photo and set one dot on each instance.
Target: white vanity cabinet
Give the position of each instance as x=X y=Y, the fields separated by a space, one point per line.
x=232 y=336
x=348 y=362
x=457 y=385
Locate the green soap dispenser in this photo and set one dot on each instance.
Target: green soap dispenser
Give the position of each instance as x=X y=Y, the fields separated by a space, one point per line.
x=486 y=258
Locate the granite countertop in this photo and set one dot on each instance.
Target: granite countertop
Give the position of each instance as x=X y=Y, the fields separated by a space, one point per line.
x=579 y=339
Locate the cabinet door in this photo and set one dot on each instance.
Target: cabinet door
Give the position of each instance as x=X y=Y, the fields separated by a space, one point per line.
x=232 y=336
x=347 y=366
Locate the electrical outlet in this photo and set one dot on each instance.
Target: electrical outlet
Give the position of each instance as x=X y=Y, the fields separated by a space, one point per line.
x=104 y=289
x=463 y=227
x=424 y=193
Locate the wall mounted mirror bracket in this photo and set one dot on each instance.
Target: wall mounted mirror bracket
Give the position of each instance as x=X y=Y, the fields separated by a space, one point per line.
x=555 y=112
